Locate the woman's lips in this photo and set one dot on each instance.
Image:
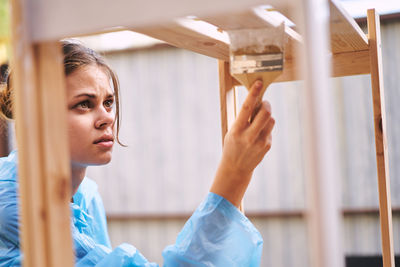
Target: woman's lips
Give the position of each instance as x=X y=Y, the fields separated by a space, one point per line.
x=105 y=143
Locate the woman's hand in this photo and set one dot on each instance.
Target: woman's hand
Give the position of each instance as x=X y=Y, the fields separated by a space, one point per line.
x=245 y=145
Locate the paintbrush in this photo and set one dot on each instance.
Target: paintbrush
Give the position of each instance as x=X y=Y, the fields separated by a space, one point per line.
x=257 y=54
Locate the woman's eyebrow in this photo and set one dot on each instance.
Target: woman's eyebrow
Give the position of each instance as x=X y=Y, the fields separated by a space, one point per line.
x=88 y=95
x=94 y=95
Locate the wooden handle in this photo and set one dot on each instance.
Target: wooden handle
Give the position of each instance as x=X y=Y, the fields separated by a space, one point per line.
x=258 y=104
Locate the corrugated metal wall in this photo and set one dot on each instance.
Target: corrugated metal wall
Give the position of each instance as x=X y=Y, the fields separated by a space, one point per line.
x=172 y=126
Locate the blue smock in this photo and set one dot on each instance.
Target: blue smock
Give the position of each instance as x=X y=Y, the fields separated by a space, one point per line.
x=217 y=234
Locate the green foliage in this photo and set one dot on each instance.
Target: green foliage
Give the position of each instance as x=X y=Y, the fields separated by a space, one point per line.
x=4 y=19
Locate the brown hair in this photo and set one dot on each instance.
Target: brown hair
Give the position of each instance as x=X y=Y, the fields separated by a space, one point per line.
x=76 y=56
x=5 y=94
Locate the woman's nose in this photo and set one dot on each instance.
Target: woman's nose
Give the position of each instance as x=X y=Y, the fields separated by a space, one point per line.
x=105 y=118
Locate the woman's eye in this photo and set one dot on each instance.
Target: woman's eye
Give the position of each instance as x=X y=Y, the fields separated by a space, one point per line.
x=109 y=103
x=83 y=105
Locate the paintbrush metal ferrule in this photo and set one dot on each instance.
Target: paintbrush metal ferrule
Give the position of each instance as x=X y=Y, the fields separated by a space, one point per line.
x=256 y=63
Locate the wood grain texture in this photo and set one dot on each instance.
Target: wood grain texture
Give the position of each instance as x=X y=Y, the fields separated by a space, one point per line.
x=43 y=168
x=350 y=63
x=382 y=157
x=192 y=35
x=343 y=64
x=55 y=151
x=32 y=212
x=346 y=35
x=227 y=97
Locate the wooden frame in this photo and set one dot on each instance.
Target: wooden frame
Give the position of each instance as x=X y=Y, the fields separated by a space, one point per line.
x=43 y=153
x=382 y=156
x=228 y=97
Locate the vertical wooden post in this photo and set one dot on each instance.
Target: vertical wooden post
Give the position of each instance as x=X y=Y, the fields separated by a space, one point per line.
x=382 y=158
x=228 y=97
x=228 y=101
x=55 y=151
x=321 y=155
x=43 y=154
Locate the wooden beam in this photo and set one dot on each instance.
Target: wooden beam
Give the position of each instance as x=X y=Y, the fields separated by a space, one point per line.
x=32 y=227
x=194 y=35
x=91 y=16
x=203 y=38
x=228 y=97
x=43 y=156
x=350 y=63
x=343 y=64
x=346 y=35
x=55 y=153
x=207 y=39
x=382 y=157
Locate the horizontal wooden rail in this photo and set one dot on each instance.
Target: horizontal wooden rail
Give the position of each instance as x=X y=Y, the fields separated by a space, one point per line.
x=51 y=20
x=196 y=36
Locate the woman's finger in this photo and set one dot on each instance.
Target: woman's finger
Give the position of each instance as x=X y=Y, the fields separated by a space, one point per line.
x=266 y=132
x=260 y=121
x=249 y=104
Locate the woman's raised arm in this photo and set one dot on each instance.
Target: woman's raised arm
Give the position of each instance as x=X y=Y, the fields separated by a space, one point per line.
x=245 y=145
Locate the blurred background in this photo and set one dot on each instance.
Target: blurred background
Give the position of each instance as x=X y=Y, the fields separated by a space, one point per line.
x=171 y=124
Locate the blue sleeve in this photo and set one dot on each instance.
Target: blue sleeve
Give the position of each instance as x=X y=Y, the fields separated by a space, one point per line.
x=124 y=255
x=9 y=239
x=89 y=199
x=217 y=234
x=89 y=231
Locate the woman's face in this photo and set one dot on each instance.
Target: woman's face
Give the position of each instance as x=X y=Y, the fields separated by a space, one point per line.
x=91 y=116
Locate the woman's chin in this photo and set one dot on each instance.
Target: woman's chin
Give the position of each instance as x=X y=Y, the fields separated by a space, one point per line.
x=105 y=160
x=102 y=160
x=94 y=159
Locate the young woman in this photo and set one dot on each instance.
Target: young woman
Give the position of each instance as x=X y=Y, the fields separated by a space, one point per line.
x=217 y=234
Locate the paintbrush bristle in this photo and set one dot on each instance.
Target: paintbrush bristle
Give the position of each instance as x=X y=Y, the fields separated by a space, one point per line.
x=256 y=63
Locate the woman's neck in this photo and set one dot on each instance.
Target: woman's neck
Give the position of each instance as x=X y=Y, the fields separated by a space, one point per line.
x=77 y=175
